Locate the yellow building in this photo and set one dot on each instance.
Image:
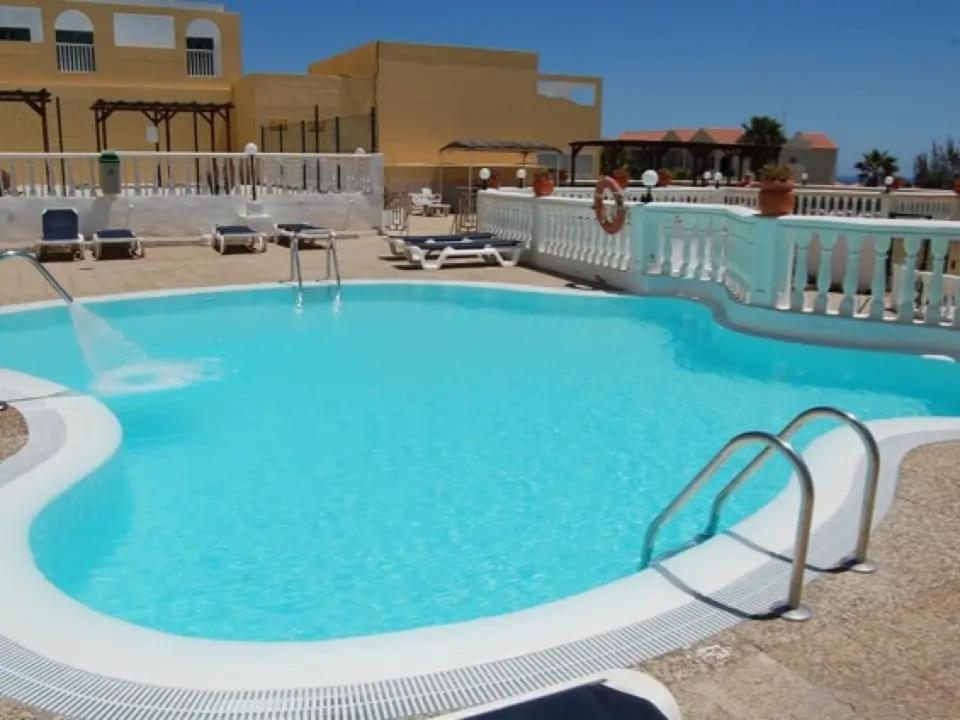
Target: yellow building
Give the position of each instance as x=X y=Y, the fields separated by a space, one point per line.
x=169 y=75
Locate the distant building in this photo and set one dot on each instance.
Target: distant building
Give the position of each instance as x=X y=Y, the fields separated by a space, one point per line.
x=154 y=62
x=810 y=152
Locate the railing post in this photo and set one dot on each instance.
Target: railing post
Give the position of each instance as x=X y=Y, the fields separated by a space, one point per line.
x=770 y=269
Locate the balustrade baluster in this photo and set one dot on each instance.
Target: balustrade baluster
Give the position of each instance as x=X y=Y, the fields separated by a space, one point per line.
x=905 y=302
x=934 y=311
x=878 y=286
x=828 y=240
x=851 y=273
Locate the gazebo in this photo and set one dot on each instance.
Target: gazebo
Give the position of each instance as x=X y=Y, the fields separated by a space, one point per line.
x=524 y=148
x=657 y=149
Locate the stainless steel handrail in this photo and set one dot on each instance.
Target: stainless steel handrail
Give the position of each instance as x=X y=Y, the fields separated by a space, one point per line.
x=793 y=609
x=29 y=257
x=858 y=561
x=333 y=262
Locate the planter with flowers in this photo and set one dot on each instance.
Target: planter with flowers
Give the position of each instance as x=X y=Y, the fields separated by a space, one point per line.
x=664 y=178
x=542 y=183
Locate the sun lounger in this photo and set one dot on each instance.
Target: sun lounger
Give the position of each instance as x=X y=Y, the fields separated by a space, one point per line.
x=433 y=255
x=307 y=234
x=121 y=240
x=61 y=233
x=617 y=695
x=397 y=243
x=226 y=235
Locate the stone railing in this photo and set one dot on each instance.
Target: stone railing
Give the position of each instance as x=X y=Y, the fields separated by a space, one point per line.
x=902 y=271
x=184 y=173
x=812 y=200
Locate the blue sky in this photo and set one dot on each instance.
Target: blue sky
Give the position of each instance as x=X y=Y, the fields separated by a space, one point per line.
x=868 y=73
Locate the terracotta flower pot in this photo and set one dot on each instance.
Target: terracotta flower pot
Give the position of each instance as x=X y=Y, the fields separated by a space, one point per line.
x=543 y=186
x=664 y=178
x=776 y=198
x=956 y=186
x=495 y=182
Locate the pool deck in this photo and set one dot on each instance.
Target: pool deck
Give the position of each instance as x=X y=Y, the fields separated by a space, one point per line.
x=881 y=646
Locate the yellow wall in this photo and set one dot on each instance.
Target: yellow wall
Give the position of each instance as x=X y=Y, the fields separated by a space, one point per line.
x=35 y=64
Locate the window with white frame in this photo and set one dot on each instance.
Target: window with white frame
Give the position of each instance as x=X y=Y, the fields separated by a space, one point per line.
x=203 y=48
x=75 y=50
x=21 y=24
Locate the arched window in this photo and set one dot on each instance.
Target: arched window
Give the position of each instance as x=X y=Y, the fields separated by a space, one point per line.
x=75 y=53
x=203 y=48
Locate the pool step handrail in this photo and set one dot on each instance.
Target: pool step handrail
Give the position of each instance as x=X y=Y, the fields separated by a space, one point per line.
x=38 y=266
x=793 y=608
x=333 y=262
x=856 y=561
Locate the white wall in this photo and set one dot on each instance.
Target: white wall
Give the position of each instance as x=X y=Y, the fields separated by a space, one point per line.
x=188 y=216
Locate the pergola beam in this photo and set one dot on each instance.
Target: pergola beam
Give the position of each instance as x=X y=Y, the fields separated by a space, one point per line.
x=158 y=112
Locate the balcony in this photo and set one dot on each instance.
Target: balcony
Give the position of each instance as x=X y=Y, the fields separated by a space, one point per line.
x=200 y=63
x=76 y=57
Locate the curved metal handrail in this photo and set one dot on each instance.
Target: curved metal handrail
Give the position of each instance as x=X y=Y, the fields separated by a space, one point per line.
x=29 y=257
x=296 y=271
x=793 y=609
x=858 y=560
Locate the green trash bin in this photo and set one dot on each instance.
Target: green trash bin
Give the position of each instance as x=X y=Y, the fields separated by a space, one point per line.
x=109 y=173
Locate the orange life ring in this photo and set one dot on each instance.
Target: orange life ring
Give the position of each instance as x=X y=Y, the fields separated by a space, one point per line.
x=611 y=225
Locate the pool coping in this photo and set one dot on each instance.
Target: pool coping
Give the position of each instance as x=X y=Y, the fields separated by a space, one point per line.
x=60 y=655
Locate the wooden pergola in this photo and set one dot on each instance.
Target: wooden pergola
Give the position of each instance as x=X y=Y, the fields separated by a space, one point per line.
x=36 y=100
x=657 y=149
x=158 y=112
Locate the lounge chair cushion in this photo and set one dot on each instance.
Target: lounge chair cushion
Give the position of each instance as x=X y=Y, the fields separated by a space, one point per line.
x=300 y=227
x=587 y=702
x=60 y=225
x=470 y=244
x=236 y=230
x=420 y=239
x=114 y=234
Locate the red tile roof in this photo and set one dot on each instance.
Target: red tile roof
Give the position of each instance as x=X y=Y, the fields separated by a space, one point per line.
x=725 y=136
x=642 y=135
x=818 y=140
x=684 y=133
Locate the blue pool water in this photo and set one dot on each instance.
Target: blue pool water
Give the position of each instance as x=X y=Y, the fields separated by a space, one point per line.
x=429 y=454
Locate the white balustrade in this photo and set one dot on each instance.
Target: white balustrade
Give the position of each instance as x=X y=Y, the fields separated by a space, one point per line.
x=76 y=57
x=185 y=173
x=859 y=268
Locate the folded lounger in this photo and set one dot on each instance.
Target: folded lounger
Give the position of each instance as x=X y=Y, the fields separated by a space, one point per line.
x=617 y=695
x=121 y=240
x=61 y=233
x=397 y=243
x=307 y=234
x=227 y=235
x=432 y=255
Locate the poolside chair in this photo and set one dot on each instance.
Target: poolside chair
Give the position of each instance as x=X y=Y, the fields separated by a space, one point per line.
x=116 y=241
x=423 y=199
x=397 y=243
x=61 y=233
x=433 y=255
x=616 y=695
x=225 y=236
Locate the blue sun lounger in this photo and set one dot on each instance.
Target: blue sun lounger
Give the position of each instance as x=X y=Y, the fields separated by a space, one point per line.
x=620 y=695
x=304 y=232
x=123 y=240
x=431 y=255
x=61 y=233
x=226 y=235
x=397 y=243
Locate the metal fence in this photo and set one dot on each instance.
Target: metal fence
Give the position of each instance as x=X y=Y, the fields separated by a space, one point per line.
x=314 y=134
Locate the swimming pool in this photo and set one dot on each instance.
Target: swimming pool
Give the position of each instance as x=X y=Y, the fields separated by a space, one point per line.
x=428 y=455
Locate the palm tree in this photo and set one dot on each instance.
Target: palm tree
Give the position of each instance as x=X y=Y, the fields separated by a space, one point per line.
x=763 y=130
x=876 y=165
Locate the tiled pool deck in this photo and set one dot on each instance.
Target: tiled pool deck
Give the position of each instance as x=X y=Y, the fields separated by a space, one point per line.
x=881 y=646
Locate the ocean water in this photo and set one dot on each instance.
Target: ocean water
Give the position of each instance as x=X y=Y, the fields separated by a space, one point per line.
x=426 y=455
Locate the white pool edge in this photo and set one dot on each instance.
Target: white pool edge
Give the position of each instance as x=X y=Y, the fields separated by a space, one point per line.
x=71 y=435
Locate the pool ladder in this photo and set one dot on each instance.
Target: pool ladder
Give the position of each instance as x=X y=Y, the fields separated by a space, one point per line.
x=333 y=262
x=793 y=608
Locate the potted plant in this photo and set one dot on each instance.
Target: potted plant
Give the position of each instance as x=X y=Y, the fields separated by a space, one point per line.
x=542 y=183
x=495 y=181
x=956 y=183
x=664 y=178
x=621 y=176
x=776 y=190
